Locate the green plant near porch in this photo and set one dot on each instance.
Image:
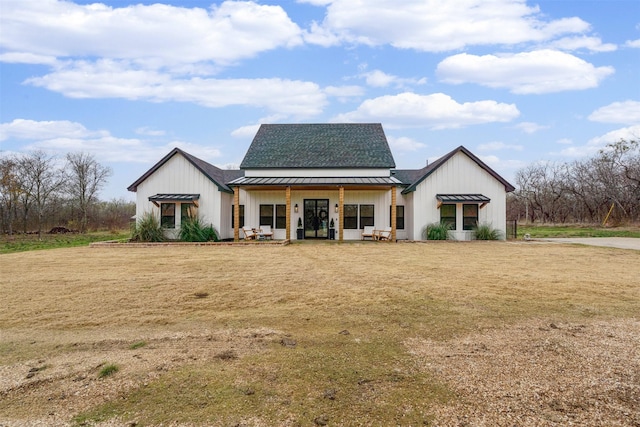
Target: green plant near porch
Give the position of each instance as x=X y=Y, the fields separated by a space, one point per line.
x=436 y=231
x=486 y=232
x=147 y=229
x=194 y=230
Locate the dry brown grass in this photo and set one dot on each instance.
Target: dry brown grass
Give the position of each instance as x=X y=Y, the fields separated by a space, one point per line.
x=373 y=334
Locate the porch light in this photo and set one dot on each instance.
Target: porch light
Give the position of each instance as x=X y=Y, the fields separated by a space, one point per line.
x=295 y=208
x=336 y=208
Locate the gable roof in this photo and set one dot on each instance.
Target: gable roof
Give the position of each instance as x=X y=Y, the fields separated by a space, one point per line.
x=428 y=170
x=319 y=145
x=218 y=176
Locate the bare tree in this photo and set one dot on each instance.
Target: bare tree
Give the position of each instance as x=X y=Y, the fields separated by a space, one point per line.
x=85 y=178
x=43 y=180
x=10 y=190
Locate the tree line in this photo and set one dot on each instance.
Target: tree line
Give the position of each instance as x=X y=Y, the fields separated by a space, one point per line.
x=39 y=191
x=604 y=186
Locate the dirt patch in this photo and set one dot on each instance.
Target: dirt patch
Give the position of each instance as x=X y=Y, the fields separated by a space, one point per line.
x=52 y=390
x=540 y=373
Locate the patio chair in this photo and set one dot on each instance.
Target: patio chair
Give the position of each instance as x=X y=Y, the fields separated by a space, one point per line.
x=385 y=234
x=265 y=230
x=367 y=232
x=249 y=234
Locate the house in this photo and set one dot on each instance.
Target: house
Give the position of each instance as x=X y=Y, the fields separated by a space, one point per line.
x=314 y=174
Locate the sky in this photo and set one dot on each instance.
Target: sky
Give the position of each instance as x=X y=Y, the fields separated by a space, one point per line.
x=514 y=81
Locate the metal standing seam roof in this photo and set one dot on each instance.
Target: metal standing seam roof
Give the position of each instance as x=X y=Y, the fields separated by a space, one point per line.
x=461 y=198
x=174 y=197
x=375 y=180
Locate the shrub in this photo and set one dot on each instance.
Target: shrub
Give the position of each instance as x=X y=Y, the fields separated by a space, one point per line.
x=436 y=231
x=147 y=229
x=486 y=232
x=193 y=230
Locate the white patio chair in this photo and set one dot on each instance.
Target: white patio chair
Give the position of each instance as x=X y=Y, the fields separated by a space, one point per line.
x=249 y=234
x=385 y=234
x=367 y=232
x=265 y=230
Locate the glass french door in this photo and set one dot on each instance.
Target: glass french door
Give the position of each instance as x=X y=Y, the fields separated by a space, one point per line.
x=316 y=218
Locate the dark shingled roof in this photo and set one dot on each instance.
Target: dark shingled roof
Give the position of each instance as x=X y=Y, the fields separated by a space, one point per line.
x=218 y=176
x=320 y=145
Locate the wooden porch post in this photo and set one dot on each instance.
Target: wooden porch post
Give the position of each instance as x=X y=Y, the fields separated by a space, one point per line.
x=341 y=213
x=236 y=214
x=393 y=214
x=288 y=221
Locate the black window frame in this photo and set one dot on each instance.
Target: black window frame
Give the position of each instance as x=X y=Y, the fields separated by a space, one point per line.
x=281 y=216
x=470 y=222
x=449 y=219
x=350 y=220
x=367 y=220
x=233 y=216
x=399 y=217
x=168 y=218
x=266 y=219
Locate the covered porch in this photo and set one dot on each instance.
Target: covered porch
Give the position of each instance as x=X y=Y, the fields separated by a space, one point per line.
x=307 y=208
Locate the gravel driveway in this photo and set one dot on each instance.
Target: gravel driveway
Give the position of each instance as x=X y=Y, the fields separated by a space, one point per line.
x=610 y=242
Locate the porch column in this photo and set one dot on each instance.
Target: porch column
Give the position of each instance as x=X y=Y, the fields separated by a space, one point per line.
x=288 y=221
x=236 y=214
x=393 y=214
x=341 y=213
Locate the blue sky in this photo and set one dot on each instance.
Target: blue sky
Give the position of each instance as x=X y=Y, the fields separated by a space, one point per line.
x=515 y=82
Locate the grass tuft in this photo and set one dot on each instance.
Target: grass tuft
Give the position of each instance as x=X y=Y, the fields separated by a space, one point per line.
x=486 y=232
x=108 y=370
x=138 y=344
x=194 y=230
x=147 y=229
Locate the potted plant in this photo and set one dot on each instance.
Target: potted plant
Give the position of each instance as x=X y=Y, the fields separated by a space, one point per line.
x=332 y=230
x=299 y=234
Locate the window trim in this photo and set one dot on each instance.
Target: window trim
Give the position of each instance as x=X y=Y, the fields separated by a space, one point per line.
x=367 y=220
x=350 y=222
x=465 y=217
x=233 y=216
x=399 y=224
x=281 y=220
x=265 y=219
x=165 y=221
x=449 y=219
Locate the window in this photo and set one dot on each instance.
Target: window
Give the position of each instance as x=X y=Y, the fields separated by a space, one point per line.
x=168 y=215
x=366 y=215
x=469 y=217
x=351 y=217
x=448 y=215
x=241 y=217
x=266 y=215
x=281 y=216
x=399 y=217
x=187 y=211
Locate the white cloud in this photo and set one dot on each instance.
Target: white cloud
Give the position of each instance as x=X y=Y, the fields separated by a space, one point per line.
x=344 y=92
x=530 y=127
x=161 y=34
x=542 y=71
x=437 y=26
x=625 y=112
x=435 y=111
x=112 y=79
x=149 y=132
x=404 y=143
x=497 y=146
x=246 y=131
x=633 y=43
x=564 y=141
x=593 y=44
x=594 y=145
x=31 y=130
x=378 y=78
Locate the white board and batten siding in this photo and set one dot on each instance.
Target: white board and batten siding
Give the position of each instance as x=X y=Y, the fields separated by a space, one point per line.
x=459 y=175
x=179 y=176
